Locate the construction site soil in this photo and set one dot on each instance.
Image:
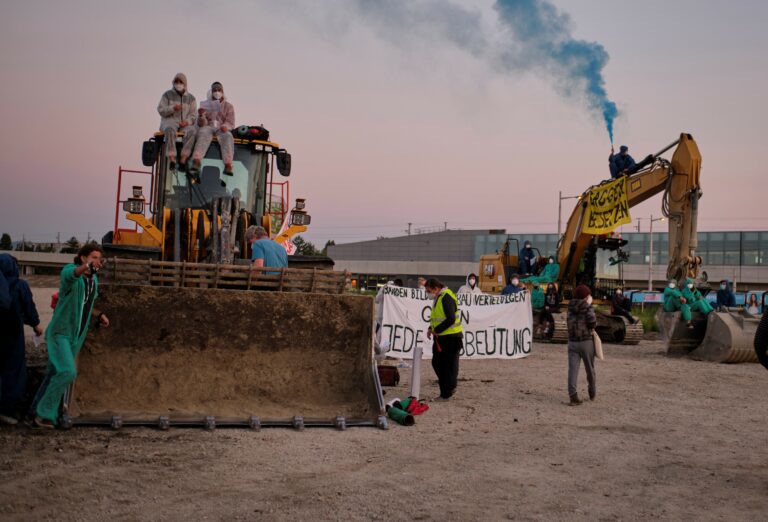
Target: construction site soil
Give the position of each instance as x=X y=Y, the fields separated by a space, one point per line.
x=666 y=438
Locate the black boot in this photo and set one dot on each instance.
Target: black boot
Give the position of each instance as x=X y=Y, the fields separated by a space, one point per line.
x=575 y=401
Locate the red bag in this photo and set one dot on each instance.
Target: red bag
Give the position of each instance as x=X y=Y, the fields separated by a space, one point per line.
x=54 y=300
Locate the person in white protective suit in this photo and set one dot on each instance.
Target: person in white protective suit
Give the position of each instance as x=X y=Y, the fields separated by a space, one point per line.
x=178 y=112
x=216 y=117
x=471 y=286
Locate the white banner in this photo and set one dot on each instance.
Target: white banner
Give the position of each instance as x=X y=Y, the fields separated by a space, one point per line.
x=495 y=326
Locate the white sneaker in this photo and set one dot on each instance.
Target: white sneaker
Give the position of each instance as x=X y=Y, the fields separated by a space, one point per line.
x=6 y=419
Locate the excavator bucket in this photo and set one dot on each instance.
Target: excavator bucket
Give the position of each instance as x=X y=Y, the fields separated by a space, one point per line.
x=228 y=357
x=717 y=337
x=679 y=338
x=729 y=338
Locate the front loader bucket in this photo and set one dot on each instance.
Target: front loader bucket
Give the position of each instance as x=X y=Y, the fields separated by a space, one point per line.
x=729 y=338
x=678 y=337
x=217 y=357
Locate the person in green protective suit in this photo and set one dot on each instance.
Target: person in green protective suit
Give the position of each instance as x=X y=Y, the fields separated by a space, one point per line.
x=695 y=300
x=537 y=297
x=548 y=274
x=674 y=301
x=67 y=330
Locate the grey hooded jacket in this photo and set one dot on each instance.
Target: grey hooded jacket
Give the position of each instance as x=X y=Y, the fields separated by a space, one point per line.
x=170 y=98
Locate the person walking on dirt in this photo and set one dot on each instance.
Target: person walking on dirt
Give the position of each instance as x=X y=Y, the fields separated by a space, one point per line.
x=178 y=111
x=581 y=347
x=266 y=252
x=471 y=286
x=216 y=117
x=17 y=308
x=65 y=334
x=447 y=337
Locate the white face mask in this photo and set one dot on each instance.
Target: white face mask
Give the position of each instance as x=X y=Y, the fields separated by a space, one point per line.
x=551 y=261
x=690 y=285
x=722 y=287
x=515 y=282
x=217 y=95
x=672 y=285
x=472 y=282
x=178 y=86
x=618 y=292
x=589 y=299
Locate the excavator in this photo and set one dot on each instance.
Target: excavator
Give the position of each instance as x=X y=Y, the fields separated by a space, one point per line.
x=589 y=253
x=199 y=337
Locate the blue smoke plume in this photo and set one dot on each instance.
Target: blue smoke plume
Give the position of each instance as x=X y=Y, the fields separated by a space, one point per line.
x=535 y=35
x=543 y=40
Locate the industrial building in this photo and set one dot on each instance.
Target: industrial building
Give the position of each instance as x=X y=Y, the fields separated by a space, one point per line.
x=452 y=254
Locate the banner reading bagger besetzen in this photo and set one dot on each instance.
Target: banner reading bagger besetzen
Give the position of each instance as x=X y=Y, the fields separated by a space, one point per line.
x=495 y=326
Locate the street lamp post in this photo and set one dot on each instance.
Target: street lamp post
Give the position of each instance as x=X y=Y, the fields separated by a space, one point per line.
x=650 y=259
x=560 y=209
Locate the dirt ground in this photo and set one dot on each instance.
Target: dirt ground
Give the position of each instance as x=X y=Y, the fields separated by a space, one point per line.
x=666 y=438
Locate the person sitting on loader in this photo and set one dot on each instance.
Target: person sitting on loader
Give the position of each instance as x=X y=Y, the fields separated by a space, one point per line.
x=674 y=301
x=621 y=162
x=725 y=296
x=216 y=118
x=513 y=286
x=527 y=260
x=177 y=109
x=621 y=305
x=471 y=286
x=695 y=300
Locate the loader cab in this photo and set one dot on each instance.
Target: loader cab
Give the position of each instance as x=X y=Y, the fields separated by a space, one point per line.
x=601 y=267
x=202 y=217
x=251 y=181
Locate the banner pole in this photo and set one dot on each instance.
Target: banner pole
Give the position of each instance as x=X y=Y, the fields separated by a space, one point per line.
x=416 y=372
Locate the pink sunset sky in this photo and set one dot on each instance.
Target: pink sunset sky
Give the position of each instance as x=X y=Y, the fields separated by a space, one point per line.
x=389 y=120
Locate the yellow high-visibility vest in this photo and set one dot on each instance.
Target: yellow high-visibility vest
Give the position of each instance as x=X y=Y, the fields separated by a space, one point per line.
x=438 y=314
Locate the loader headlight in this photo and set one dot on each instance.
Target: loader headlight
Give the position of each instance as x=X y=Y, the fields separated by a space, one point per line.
x=134 y=206
x=300 y=203
x=300 y=218
x=137 y=191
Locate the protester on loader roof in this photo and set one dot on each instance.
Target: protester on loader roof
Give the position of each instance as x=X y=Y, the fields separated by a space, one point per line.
x=447 y=337
x=216 y=118
x=66 y=332
x=178 y=111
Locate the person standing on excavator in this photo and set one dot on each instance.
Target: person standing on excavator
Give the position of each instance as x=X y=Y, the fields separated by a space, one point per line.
x=620 y=162
x=527 y=260
x=177 y=109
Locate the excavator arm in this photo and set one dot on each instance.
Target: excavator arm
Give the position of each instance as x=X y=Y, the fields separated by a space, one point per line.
x=677 y=179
